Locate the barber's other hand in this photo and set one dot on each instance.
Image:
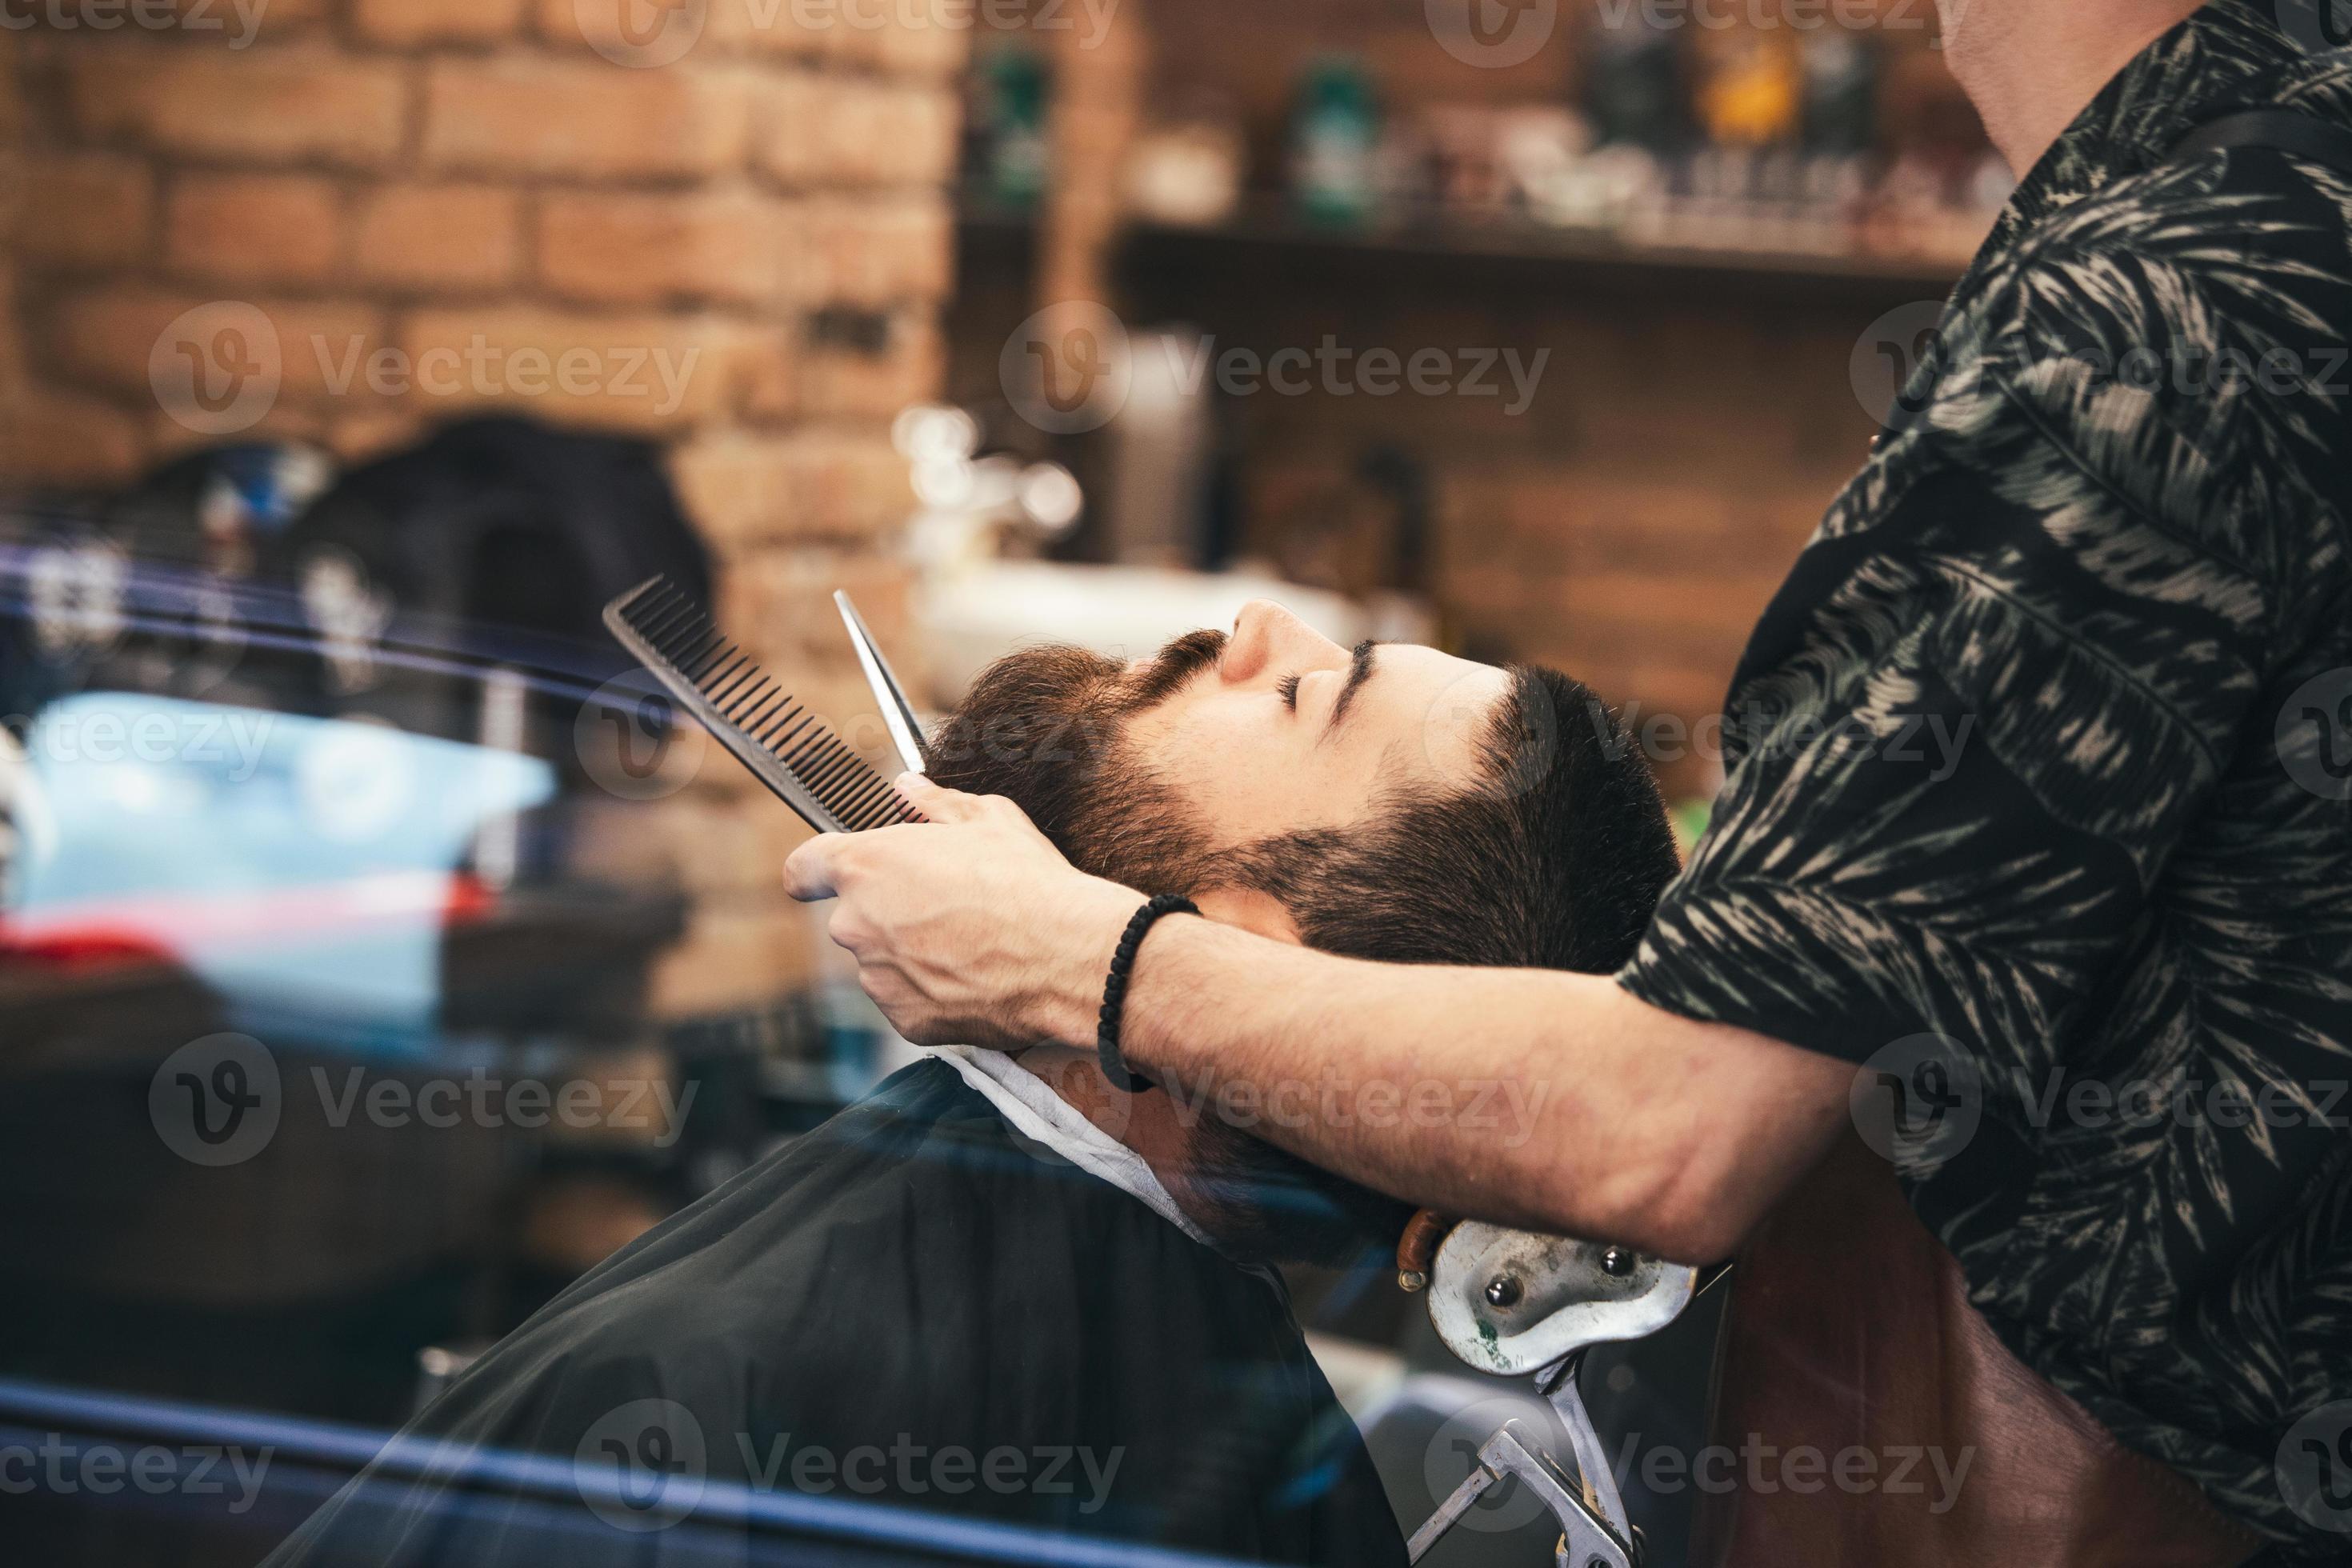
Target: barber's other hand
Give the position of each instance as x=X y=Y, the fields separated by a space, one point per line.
x=969 y=928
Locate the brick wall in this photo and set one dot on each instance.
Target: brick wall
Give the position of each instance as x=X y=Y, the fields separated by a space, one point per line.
x=1686 y=433
x=406 y=210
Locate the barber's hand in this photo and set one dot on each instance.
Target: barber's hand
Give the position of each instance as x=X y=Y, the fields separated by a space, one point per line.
x=970 y=928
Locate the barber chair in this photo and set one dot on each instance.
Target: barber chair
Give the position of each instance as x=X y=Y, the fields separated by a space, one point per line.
x=1511 y=1303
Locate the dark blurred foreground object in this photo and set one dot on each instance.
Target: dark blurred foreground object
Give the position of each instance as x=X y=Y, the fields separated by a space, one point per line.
x=1850 y=1329
x=914 y=1276
x=508 y=523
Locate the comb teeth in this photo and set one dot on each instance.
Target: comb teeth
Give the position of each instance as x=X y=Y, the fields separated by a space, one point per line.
x=752 y=715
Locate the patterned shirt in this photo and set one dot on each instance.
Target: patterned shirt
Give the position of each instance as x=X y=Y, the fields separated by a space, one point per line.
x=2041 y=790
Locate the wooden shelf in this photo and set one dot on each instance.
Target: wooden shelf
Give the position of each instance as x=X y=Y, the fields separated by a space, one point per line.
x=1278 y=253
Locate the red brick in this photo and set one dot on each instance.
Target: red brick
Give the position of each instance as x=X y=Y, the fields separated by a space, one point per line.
x=439 y=238
x=764 y=370
x=733 y=958
x=814 y=484
x=107 y=337
x=782 y=600
x=267 y=106
x=589 y=120
x=252 y=228
x=611 y=248
x=873 y=253
x=838 y=380
x=614 y=365
x=400 y=23
x=63 y=438
x=814 y=130
x=86 y=210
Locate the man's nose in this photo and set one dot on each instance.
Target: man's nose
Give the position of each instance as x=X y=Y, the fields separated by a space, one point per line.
x=1269 y=641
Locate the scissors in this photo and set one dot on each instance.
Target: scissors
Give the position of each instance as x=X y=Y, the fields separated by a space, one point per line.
x=898 y=713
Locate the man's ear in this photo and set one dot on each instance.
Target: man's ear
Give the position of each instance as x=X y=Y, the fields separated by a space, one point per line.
x=1252 y=910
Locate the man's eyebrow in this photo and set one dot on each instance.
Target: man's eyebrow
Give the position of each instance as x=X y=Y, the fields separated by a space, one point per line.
x=1359 y=670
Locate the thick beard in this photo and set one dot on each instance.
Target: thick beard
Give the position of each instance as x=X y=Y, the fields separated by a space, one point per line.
x=1046 y=729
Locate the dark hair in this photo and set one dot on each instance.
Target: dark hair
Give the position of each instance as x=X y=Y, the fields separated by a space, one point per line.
x=1555 y=860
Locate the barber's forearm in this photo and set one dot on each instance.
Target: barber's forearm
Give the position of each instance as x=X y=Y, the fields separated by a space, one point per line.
x=1552 y=1101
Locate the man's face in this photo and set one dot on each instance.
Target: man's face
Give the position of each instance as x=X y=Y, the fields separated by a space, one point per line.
x=1220 y=741
x=1285 y=731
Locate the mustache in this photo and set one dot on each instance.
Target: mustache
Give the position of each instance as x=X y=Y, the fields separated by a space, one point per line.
x=1172 y=668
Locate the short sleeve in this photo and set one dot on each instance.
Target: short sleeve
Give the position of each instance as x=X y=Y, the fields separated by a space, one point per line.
x=1972 y=730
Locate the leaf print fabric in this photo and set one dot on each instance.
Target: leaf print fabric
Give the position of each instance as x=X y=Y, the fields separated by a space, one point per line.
x=2107 y=552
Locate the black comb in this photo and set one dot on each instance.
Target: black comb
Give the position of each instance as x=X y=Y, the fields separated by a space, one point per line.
x=789 y=749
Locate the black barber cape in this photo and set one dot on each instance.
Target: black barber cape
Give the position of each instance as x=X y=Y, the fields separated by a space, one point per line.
x=913 y=1307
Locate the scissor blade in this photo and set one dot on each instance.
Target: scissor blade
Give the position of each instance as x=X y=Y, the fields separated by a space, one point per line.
x=1465 y=1496
x=898 y=713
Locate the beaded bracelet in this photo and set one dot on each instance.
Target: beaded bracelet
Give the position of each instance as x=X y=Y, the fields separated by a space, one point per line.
x=1122 y=964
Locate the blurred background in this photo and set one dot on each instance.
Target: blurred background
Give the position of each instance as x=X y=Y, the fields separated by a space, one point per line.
x=354 y=352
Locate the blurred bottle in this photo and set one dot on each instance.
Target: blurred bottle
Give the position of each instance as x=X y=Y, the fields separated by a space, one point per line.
x=1335 y=144
x=1840 y=111
x=1007 y=156
x=1634 y=90
x=1751 y=87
